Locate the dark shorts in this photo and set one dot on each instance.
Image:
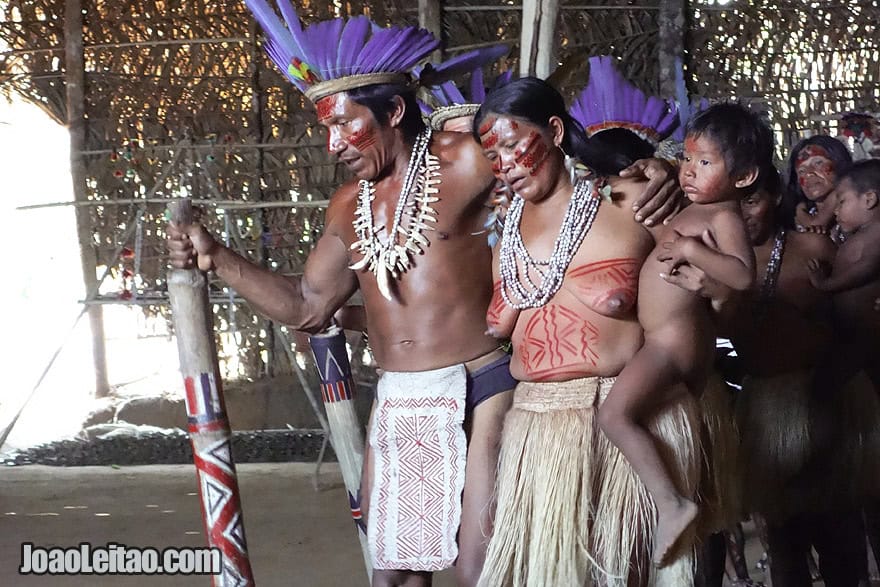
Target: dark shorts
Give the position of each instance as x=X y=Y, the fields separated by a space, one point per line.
x=487 y=381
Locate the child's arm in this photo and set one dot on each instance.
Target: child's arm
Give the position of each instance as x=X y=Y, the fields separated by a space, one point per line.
x=732 y=264
x=500 y=318
x=855 y=265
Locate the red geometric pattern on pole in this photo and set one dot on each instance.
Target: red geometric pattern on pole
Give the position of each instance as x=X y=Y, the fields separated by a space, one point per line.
x=206 y=414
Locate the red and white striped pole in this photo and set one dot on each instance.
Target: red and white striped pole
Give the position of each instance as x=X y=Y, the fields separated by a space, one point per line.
x=206 y=413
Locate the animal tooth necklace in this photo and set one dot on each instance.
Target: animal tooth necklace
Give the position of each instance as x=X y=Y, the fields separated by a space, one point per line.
x=389 y=259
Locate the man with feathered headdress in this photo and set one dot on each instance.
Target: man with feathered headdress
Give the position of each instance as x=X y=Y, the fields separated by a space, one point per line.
x=402 y=231
x=406 y=232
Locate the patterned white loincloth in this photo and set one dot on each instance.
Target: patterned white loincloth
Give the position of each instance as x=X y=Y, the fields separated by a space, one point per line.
x=419 y=452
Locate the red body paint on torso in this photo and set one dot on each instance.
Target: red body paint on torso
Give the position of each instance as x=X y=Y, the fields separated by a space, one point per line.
x=562 y=339
x=496 y=307
x=557 y=340
x=608 y=287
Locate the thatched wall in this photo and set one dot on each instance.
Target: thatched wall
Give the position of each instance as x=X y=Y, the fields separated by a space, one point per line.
x=181 y=99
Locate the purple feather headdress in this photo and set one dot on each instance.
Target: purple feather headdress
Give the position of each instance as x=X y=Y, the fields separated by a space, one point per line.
x=444 y=99
x=610 y=101
x=685 y=106
x=336 y=55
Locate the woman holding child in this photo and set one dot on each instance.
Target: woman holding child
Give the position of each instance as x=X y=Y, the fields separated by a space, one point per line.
x=571 y=509
x=781 y=333
x=813 y=168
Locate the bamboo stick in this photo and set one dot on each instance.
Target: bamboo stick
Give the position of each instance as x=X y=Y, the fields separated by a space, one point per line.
x=347 y=434
x=206 y=411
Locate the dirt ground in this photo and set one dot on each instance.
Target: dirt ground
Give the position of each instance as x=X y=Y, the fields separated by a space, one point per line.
x=297 y=536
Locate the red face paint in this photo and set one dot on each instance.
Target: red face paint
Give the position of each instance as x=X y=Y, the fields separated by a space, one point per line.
x=533 y=156
x=812 y=151
x=325 y=107
x=486 y=126
x=361 y=139
x=496 y=167
x=490 y=141
x=815 y=167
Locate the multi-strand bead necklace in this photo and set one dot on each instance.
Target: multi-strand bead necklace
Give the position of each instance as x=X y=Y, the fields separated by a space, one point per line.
x=518 y=288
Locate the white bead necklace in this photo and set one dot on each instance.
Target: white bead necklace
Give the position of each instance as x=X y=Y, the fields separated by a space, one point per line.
x=578 y=220
x=390 y=259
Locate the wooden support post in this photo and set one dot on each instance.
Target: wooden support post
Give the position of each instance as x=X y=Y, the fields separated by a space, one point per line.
x=258 y=136
x=431 y=19
x=538 y=40
x=346 y=432
x=206 y=414
x=671 y=21
x=74 y=78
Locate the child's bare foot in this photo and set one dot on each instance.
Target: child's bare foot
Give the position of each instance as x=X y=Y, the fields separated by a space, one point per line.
x=673 y=519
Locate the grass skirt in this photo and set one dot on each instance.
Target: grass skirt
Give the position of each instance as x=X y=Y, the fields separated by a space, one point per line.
x=720 y=487
x=773 y=416
x=856 y=414
x=798 y=455
x=570 y=510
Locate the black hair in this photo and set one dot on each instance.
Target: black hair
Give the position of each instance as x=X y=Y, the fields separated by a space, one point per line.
x=535 y=101
x=745 y=140
x=794 y=195
x=379 y=98
x=623 y=146
x=771 y=184
x=864 y=175
x=771 y=181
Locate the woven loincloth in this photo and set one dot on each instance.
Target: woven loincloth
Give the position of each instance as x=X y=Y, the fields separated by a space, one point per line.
x=419 y=454
x=570 y=509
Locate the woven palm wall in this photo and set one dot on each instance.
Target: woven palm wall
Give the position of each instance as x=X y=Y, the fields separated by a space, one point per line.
x=181 y=100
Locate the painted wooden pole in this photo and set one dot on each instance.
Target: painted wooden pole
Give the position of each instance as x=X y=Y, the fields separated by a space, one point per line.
x=206 y=414
x=346 y=432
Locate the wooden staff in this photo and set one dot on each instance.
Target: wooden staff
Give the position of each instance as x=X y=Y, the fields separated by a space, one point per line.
x=346 y=432
x=206 y=412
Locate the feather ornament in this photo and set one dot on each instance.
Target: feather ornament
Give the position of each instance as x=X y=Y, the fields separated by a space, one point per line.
x=442 y=91
x=337 y=48
x=611 y=101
